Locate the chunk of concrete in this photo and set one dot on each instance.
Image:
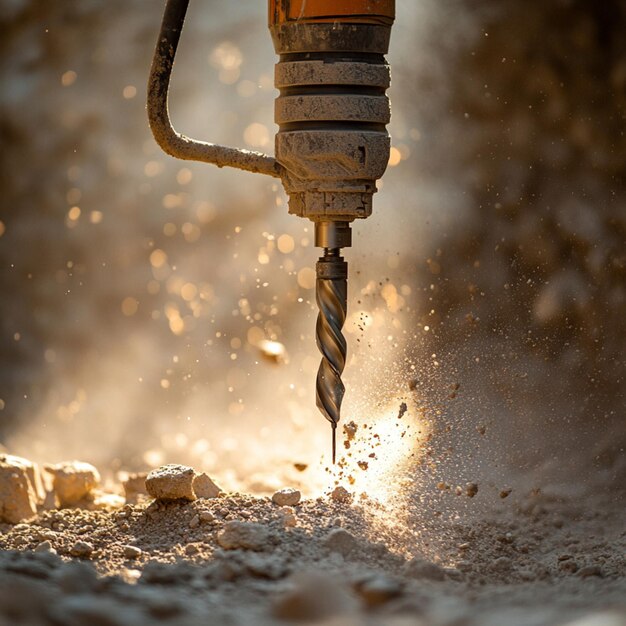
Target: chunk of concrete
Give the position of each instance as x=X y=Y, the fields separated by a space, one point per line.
x=135 y=485
x=32 y=471
x=171 y=482
x=73 y=481
x=287 y=497
x=204 y=487
x=18 y=500
x=243 y=535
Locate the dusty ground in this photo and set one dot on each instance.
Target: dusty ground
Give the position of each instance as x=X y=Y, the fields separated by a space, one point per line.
x=535 y=559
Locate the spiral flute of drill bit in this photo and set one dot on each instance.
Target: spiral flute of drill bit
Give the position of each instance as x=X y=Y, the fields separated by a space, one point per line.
x=331 y=295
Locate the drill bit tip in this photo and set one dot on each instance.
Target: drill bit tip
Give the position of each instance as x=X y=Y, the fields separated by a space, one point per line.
x=334 y=429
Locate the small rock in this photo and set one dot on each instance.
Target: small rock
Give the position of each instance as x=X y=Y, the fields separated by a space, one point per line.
x=378 y=590
x=506 y=492
x=82 y=549
x=244 y=535
x=191 y=549
x=132 y=552
x=18 y=500
x=422 y=569
x=195 y=521
x=204 y=487
x=502 y=564
x=264 y=566
x=171 y=482
x=590 y=570
x=341 y=541
x=314 y=597
x=569 y=566
x=206 y=516
x=134 y=486
x=73 y=481
x=341 y=494
x=471 y=489
x=32 y=471
x=103 y=501
x=289 y=517
x=45 y=546
x=286 y=497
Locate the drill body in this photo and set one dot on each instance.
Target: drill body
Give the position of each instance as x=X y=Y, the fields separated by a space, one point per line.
x=331 y=146
x=332 y=140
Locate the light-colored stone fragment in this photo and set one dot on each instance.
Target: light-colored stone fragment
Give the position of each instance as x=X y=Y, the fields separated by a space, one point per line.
x=204 y=487
x=82 y=549
x=314 y=597
x=206 y=516
x=378 y=590
x=171 y=482
x=132 y=552
x=135 y=485
x=18 y=500
x=422 y=569
x=73 y=481
x=32 y=471
x=244 y=535
x=195 y=521
x=103 y=501
x=287 y=497
x=288 y=516
x=341 y=541
x=45 y=547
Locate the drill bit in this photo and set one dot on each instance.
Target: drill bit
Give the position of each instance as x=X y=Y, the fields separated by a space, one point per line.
x=331 y=296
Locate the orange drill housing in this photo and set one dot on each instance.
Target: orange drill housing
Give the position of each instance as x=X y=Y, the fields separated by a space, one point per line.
x=344 y=11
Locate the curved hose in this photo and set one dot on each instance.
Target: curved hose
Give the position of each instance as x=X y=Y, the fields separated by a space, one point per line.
x=172 y=142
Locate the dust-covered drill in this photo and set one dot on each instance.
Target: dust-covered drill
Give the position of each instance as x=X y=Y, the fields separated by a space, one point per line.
x=332 y=143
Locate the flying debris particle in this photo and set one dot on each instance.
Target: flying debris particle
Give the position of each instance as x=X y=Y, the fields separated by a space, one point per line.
x=403 y=410
x=350 y=430
x=299 y=466
x=471 y=489
x=341 y=494
x=273 y=351
x=453 y=389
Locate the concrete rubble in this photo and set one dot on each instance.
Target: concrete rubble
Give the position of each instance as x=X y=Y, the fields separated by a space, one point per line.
x=171 y=482
x=73 y=481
